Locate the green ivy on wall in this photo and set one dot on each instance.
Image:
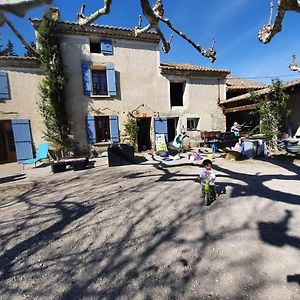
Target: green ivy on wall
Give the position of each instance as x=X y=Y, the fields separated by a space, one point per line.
x=52 y=89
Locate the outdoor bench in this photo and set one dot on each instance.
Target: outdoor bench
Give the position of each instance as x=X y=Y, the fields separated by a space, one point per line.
x=76 y=164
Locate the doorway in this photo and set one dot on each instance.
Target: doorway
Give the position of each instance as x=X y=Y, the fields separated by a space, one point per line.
x=172 y=126
x=143 y=136
x=7 y=144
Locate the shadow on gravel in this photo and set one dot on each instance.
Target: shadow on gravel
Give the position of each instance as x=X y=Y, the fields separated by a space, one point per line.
x=12 y=178
x=254 y=184
x=275 y=233
x=293 y=278
x=96 y=237
x=65 y=211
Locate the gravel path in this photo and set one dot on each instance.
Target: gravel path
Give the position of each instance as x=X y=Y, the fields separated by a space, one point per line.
x=142 y=232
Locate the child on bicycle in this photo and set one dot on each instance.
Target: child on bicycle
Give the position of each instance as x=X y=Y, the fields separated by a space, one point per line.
x=207 y=175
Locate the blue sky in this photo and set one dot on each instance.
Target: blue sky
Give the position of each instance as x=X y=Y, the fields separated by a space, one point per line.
x=233 y=23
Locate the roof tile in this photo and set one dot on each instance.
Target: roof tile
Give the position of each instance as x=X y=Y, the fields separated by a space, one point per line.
x=167 y=67
x=236 y=83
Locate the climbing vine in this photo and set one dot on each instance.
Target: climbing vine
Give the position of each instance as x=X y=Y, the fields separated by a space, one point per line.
x=52 y=104
x=131 y=130
x=272 y=111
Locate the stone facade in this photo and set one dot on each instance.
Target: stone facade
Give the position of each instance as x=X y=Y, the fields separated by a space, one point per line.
x=142 y=81
x=24 y=77
x=143 y=86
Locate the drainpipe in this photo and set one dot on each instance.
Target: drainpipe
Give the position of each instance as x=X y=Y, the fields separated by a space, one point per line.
x=219 y=91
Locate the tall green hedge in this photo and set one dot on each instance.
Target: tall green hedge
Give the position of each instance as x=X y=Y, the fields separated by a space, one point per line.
x=52 y=89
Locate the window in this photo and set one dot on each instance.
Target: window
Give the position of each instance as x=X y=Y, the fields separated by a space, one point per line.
x=176 y=93
x=192 y=124
x=99 y=82
x=4 y=90
x=103 y=46
x=95 y=47
x=102 y=129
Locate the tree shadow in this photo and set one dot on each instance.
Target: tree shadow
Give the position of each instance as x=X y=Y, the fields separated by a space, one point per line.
x=276 y=233
x=254 y=185
x=12 y=178
x=96 y=237
x=293 y=278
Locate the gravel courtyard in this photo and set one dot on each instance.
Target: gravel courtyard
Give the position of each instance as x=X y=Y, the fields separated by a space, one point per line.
x=142 y=232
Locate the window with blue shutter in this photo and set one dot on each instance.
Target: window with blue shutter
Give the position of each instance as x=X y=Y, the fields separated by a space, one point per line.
x=99 y=79
x=86 y=78
x=90 y=129
x=4 y=90
x=111 y=80
x=23 y=140
x=106 y=47
x=114 y=128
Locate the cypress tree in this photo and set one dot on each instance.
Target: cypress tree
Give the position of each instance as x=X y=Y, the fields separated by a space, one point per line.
x=9 y=49
x=52 y=89
x=30 y=53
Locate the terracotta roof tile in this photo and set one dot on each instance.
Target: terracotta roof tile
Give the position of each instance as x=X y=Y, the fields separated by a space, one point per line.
x=108 y=31
x=19 y=61
x=167 y=67
x=263 y=91
x=235 y=83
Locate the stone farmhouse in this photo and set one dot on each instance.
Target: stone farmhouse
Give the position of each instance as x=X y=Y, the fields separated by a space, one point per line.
x=238 y=104
x=110 y=73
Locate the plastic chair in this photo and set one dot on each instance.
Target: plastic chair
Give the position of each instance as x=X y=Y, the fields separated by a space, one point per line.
x=41 y=153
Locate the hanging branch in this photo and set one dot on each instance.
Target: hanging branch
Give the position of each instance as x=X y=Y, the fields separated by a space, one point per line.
x=83 y=20
x=267 y=32
x=20 y=37
x=209 y=53
x=293 y=65
x=154 y=15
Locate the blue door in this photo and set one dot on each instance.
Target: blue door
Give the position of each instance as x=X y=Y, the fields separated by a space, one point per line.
x=22 y=137
x=161 y=127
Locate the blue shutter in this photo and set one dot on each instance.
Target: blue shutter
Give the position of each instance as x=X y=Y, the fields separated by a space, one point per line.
x=161 y=126
x=111 y=80
x=106 y=47
x=86 y=78
x=90 y=129
x=114 y=128
x=4 y=91
x=22 y=137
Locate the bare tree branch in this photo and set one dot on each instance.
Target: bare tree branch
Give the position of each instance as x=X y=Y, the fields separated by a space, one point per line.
x=19 y=36
x=293 y=65
x=209 y=53
x=20 y=7
x=267 y=32
x=82 y=20
x=154 y=15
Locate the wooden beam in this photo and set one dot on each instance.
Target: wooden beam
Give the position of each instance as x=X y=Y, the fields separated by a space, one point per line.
x=240 y=108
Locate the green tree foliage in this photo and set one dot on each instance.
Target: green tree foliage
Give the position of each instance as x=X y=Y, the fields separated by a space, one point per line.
x=9 y=49
x=30 y=53
x=131 y=130
x=52 y=105
x=273 y=111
